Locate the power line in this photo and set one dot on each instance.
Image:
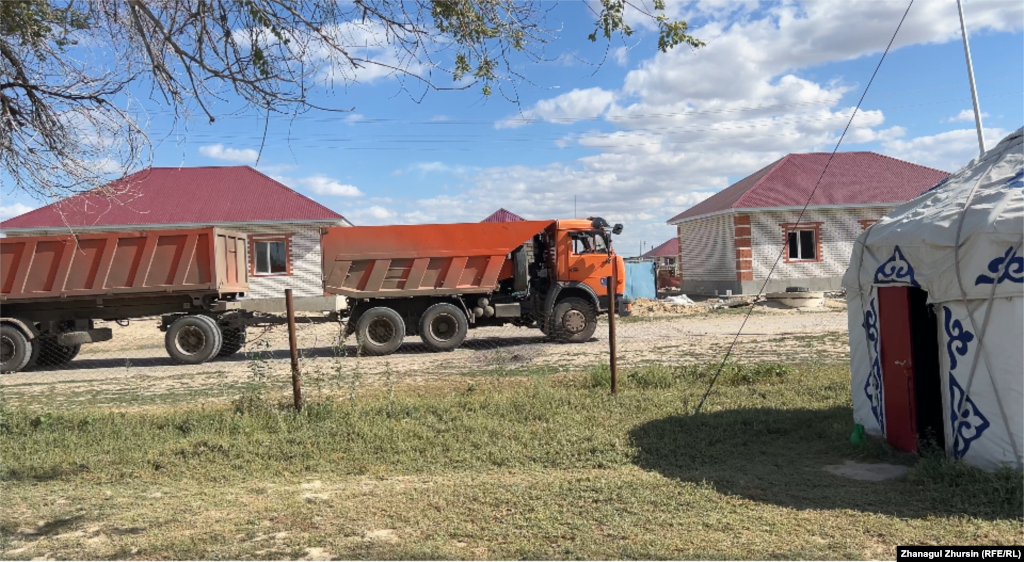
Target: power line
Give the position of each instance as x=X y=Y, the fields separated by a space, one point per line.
x=802 y=211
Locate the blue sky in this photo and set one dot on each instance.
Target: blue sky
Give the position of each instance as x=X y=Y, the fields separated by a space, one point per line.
x=642 y=136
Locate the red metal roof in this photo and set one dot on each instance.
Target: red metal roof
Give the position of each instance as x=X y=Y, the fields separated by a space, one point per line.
x=669 y=248
x=501 y=215
x=852 y=178
x=159 y=196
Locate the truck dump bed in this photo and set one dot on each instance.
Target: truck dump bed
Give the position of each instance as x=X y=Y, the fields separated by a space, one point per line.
x=426 y=259
x=122 y=263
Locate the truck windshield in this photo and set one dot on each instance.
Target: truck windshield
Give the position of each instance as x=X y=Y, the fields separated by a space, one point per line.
x=588 y=243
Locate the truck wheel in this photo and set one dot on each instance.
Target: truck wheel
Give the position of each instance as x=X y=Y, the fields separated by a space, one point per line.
x=443 y=327
x=15 y=349
x=380 y=331
x=234 y=339
x=574 y=320
x=52 y=354
x=193 y=339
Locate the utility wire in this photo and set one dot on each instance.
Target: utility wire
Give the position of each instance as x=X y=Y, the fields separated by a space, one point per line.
x=746 y=317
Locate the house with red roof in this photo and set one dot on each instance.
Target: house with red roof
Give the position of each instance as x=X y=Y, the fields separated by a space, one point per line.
x=503 y=215
x=666 y=256
x=283 y=225
x=731 y=240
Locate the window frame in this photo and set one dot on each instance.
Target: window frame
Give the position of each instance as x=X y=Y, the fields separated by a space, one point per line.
x=814 y=227
x=257 y=238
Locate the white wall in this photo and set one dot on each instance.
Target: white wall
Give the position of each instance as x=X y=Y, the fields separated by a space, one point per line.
x=707 y=249
x=839 y=231
x=306 y=279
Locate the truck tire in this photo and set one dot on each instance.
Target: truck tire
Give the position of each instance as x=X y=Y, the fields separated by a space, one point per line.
x=443 y=327
x=15 y=349
x=574 y=320
x=233 y=341
x=52 y=354
x=193 y=339
x=380 y=331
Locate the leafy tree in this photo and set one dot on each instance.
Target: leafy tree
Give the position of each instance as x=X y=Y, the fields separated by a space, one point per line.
x=69 y=121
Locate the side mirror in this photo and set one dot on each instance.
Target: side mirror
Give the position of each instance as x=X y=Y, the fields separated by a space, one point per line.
x=617 y=230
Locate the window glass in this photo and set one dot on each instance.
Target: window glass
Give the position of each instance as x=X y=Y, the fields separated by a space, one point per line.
x=807 y=246
x=271 y=257
x=800 y=245
x=588 y=243
x=262 y=261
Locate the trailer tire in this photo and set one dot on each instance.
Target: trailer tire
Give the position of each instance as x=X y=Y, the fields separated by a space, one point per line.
x=380 y=331
x=443 y=327
x=52 y=354
x=15 y=349
x=233 y=341
x=193 y=339
x=574 y=320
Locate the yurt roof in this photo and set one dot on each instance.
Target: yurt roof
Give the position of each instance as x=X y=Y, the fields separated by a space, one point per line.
x=974 y=218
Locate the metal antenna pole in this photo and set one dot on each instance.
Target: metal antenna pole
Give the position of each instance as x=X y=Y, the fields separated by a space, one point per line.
x=970 y=76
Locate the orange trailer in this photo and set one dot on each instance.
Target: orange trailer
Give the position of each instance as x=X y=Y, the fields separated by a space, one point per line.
x=52 y=288
x=439 y=280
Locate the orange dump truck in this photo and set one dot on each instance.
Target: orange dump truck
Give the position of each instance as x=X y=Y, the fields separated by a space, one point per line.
x=439 y=280
x=52 y=288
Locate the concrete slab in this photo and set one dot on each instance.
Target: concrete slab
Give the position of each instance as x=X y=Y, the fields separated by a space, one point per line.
x=869 y=472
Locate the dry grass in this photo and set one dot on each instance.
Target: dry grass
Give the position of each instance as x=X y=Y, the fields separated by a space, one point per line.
x=493 y=468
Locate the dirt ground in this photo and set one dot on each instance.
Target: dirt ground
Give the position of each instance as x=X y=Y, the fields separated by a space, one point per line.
x=133 y=368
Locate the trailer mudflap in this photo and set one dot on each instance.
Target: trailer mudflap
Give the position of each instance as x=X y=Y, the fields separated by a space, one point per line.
x=78 y=337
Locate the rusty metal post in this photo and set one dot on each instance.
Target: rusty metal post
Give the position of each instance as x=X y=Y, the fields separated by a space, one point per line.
x=613 y=363
x=293 y=346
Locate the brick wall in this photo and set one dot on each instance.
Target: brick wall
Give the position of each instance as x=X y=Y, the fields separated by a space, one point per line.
x=839 y=229
x=306 y=279
x=707 y=251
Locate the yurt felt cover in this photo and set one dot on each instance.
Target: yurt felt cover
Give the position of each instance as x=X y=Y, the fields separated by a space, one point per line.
x=961 y=241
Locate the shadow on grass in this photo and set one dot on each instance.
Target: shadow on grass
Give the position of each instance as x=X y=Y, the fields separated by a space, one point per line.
x=778 y=457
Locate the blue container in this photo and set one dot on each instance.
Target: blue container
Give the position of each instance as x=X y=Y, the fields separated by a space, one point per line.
x=640 y=280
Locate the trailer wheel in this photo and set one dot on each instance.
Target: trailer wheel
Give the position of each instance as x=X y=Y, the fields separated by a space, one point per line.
x=380 y=331
x=193 y=339
x=52 y=354
x=574 y=320
x=15 y=349
x=234 y=340
x=443 y=327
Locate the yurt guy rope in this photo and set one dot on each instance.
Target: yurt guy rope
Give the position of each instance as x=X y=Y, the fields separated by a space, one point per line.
x=746 y=317
x=981 y=352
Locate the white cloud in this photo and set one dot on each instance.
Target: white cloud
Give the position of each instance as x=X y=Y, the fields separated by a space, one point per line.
x=566 y=108
x=324 y=185
x=219 y=152
x=440 y=167
x=965 y=115
x=372 y=215
x=8 y=211
x=947 y=151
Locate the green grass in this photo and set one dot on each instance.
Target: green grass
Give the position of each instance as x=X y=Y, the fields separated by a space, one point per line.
x=540 y=468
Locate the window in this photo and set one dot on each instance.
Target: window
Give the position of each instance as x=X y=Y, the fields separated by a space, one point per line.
x=588 y=243
x=270 y=256
x=801 y=245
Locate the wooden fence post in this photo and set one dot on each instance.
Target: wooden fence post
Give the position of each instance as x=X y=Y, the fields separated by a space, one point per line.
x=293 y=346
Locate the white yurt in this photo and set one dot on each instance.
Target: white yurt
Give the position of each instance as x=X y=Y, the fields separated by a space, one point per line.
x=936 y=315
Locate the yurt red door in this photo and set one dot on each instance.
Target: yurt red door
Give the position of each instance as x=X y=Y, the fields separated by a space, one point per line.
x=897 y=368
x=910 y=369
